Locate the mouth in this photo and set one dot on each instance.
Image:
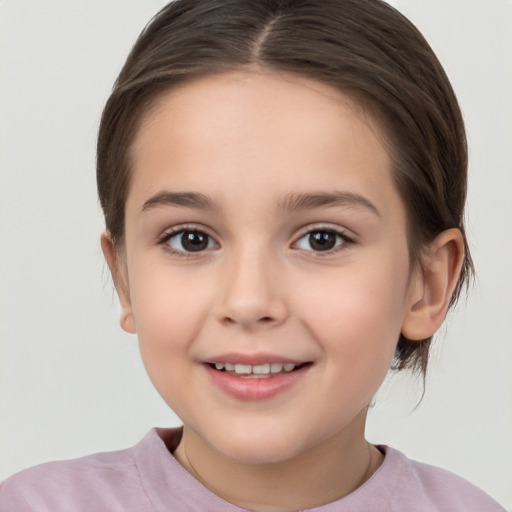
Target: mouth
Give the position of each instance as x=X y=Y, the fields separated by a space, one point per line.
x=259 y=371
x=256 y=376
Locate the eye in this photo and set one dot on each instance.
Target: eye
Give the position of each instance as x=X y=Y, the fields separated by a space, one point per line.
x=189 y=240
x=321 y=240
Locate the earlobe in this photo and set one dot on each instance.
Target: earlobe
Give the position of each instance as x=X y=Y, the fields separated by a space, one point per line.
x=432 y=286
x=119 y=277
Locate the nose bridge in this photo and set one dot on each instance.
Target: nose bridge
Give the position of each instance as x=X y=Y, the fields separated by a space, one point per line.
x=251 y=292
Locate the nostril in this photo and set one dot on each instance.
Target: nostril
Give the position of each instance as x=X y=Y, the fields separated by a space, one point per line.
x=264 y=320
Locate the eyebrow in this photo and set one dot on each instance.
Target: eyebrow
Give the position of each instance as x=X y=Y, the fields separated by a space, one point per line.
x=187 y=199
x=306 y=201
x=290 y=203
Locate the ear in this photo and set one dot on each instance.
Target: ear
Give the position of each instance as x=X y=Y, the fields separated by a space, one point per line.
x=120 y=278
x=432 y=286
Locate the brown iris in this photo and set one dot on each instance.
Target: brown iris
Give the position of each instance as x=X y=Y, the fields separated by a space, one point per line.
x=322 y=240
x=194 y=241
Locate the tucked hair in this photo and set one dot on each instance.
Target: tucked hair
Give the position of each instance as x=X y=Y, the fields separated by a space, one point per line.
x=364 y=48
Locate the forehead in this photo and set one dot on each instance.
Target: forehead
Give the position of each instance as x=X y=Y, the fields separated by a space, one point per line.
x=238 y=130
x=234 y=94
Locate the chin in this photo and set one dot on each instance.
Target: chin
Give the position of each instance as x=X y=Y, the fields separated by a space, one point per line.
x=258 y=448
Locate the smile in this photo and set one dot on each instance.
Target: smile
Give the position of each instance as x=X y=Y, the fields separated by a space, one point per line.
x=262 y=381
x=260 y=371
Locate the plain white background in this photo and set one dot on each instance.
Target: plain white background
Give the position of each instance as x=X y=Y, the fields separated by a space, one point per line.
x=72 y=382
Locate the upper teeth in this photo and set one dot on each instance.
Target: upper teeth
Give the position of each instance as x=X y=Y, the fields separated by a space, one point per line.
x=258 y=369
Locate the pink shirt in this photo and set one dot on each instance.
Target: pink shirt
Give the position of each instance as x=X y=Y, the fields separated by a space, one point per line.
x=148 y=478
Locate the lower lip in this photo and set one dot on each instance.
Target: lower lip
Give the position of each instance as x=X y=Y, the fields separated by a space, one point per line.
x=250 y=388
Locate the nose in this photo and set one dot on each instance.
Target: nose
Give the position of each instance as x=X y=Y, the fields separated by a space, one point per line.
x=252 y=294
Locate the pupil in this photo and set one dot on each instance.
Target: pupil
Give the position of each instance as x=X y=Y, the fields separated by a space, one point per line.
x=322 y=240
x=193 y=241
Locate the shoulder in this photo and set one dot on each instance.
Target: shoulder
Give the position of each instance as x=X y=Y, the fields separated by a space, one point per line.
x=103 y=481
x=435 y=488
x=144 y=478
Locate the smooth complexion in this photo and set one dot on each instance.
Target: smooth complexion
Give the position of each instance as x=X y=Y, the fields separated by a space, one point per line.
x=248 y=168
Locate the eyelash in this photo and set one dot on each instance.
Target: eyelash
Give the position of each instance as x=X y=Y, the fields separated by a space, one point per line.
x=342 y=240
x=164 y=240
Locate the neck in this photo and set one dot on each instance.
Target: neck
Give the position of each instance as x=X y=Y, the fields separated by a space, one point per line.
x=323 y=474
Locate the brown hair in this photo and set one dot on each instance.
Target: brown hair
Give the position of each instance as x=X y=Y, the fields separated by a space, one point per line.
x=365 y=48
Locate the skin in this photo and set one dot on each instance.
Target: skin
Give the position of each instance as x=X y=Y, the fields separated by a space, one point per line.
x=247 y=140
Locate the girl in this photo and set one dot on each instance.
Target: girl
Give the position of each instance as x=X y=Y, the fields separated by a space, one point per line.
x=283 y=184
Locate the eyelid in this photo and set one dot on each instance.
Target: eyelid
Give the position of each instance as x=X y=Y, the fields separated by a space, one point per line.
x=343 y=233
x=178 y=228
x=325 y=226
x=169 y=233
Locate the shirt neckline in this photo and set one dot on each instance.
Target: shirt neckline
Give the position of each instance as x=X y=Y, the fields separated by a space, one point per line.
x=166 y=481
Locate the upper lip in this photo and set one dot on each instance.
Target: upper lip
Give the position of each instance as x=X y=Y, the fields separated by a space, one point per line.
x=251 y=359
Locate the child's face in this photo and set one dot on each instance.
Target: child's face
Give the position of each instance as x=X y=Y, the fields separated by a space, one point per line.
x=289 y=247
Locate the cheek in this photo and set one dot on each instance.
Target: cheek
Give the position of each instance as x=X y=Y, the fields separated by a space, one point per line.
x=168 y=308
x=358 y=313
x=168 y=311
